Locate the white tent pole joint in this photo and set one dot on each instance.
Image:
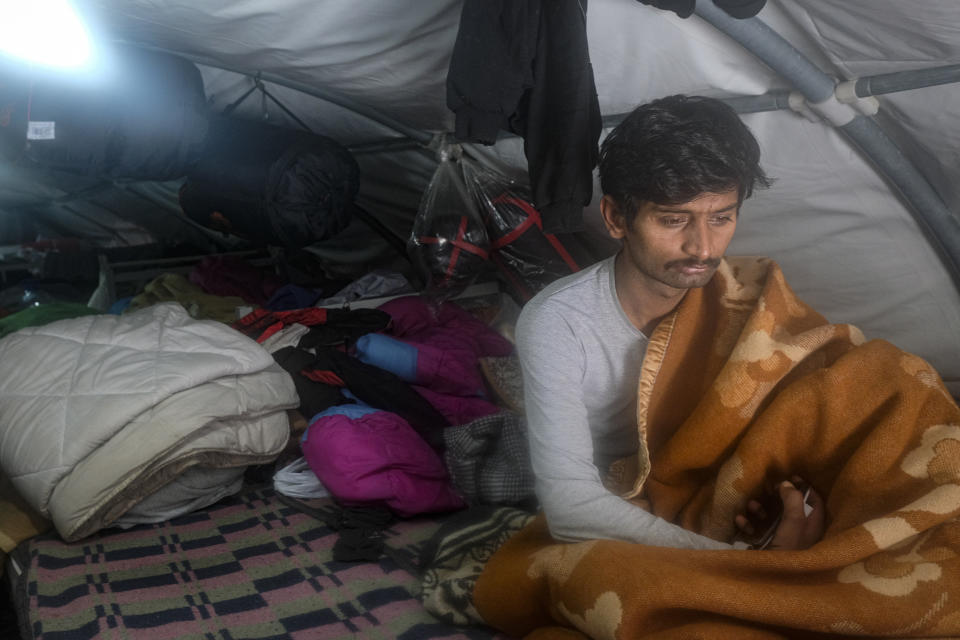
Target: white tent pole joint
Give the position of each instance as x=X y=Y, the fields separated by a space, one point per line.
x=846 y=92
x=835 y=112
x=941 y=225
x=798 y=104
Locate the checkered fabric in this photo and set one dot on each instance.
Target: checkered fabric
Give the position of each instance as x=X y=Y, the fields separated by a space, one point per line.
x=489 y=461
x=249 y=567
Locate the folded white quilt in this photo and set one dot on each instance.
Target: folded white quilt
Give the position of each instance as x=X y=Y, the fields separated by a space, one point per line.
x=98 y=412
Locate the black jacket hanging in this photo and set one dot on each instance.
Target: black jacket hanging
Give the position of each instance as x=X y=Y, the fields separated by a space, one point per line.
x=524 y=66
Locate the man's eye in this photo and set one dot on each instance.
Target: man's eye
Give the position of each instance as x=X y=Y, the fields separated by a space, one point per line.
x=721 y=220
x=672 y=221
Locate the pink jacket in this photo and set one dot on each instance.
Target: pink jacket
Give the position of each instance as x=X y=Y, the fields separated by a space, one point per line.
x=367 y=456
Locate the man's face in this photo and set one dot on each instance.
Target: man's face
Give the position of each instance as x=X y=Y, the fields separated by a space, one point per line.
x=679 y=246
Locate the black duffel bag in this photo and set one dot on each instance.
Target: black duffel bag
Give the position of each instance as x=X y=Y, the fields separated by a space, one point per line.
x=271 y=185
x=142 y=117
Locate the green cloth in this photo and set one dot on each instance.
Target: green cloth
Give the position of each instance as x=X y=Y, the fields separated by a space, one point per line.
x=43 y=314
x=172 y=287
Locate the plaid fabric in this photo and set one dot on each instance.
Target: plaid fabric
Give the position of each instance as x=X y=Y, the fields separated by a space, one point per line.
x=249 y=567
x=488 y=460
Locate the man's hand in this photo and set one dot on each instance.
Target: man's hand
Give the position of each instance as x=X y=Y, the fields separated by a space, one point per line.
x=797 y=528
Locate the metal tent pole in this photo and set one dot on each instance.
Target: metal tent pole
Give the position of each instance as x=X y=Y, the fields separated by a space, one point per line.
x=773 y=100
x=941 y=225
x=881 y=83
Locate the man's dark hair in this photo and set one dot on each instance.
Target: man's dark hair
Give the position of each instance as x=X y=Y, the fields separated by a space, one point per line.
x=675 y=149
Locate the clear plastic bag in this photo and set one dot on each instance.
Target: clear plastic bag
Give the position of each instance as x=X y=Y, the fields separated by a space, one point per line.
x=448 y=244
x=527 y=259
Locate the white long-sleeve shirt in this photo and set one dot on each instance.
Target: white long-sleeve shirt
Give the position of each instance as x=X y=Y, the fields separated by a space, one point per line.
x=581 y=359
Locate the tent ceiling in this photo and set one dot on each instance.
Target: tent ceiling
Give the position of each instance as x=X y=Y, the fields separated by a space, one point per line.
x=848 y=244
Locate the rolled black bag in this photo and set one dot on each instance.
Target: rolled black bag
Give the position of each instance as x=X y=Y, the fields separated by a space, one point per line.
x=143 y=118
x=271 y=185
x=526 y=258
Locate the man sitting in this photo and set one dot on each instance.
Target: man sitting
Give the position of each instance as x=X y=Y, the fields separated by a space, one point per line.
x=674 y=174
x=665 y=388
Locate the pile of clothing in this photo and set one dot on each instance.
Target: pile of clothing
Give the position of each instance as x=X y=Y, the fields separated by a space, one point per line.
x=160 y=407
x=381 y=388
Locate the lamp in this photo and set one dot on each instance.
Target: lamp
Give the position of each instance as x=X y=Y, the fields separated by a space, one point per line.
x=45 y=32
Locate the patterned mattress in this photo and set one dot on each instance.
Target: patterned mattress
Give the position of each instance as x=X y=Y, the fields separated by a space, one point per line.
x=250 y=567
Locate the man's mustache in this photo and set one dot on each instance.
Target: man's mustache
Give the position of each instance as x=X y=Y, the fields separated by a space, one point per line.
x=713 y=263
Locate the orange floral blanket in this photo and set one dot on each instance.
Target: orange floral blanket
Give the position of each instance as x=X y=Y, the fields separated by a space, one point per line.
x=753 y=386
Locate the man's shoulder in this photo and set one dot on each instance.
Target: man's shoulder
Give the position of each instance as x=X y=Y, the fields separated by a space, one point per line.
x=573 y=286
x=564 y=299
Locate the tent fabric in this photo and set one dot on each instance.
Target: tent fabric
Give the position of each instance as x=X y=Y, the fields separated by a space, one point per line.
x=736 y=8
x=846 y=241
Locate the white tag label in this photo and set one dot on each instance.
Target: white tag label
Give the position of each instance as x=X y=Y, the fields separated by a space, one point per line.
x=41 y=130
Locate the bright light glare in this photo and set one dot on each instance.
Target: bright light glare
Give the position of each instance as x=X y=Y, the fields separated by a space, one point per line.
x=47 y=32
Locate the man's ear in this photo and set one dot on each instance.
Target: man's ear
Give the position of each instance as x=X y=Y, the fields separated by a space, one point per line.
x=614 y=220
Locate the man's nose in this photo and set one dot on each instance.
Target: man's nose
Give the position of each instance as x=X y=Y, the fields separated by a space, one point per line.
x=697 y=241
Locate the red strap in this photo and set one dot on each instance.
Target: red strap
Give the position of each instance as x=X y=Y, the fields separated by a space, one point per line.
x=533 y=218
x=326 y=377
x=456 y=247
x=562 y=251
x=459 y=244
x=263 y=323
x=466 y=246
x=269 y=331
